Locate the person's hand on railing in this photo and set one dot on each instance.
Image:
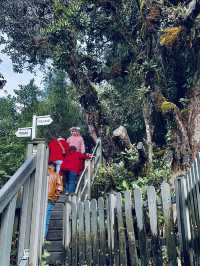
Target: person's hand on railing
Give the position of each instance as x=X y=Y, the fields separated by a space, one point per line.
x=91 y=156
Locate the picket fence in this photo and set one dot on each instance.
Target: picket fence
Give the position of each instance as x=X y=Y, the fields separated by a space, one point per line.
x=122 y=229
x=188 y=214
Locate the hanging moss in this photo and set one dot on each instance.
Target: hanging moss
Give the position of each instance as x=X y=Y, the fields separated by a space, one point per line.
x=170 y=35
x=167 y=106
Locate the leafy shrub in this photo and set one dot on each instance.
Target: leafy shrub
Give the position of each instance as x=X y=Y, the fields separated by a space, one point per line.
x=115 y=176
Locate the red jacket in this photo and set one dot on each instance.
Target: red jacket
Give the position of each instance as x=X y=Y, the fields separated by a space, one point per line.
x=74 y=162
x=55 y=150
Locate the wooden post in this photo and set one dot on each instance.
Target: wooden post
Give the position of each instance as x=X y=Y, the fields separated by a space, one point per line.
x=25 y=224
x=88 y=178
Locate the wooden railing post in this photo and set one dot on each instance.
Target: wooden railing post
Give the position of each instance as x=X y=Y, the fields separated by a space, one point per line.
x=26 y=208
x=100 y=151
x=88 y=180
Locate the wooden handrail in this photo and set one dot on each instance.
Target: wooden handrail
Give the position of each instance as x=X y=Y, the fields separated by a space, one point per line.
x=9 y=190
x=84 y=184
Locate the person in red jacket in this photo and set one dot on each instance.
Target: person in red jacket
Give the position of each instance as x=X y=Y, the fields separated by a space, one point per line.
x=58 y=149
x=71 y=167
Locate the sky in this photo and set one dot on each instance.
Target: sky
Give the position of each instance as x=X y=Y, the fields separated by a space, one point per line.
x=16 y=79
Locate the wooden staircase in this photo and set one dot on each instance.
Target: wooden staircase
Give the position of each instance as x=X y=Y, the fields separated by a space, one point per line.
x=54 y=245
x=55 y=240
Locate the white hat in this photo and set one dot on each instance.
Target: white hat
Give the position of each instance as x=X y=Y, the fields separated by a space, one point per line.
x=75 y=128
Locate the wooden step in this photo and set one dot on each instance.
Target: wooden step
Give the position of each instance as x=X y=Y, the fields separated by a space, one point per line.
x=55 y=258
x=62 y=198
x=54 y=235
x=56 y=224
x=57 y=215
x=54 y=246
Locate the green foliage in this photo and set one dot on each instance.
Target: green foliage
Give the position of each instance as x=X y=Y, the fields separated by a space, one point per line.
x=167 y=106
x=116 y=176
x=59 y=100
x=11 y=149
x=45 y=255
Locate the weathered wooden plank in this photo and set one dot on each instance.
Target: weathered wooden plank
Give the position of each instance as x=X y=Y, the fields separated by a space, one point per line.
x=130 y=229
x=111 y=224
x=26 y=208
x=94 y=233
x=102 y=235
x=74 y=231
x=67 y=232
x=155 y=245
x=56 y=224
x=88 y=233
x=81 y=234
x=121 y=230
x=196 y=185
x=36 y=209
x=44 y=201
x=54 y=246
x=116 y=252
x=54 y=235
x=6 y=231
x=138 y=202
x=55 y=258
x=57 y=215
x=169 y=228
x=26 y=211
x=108 y=232
x=190 y=202
x=196 y=214
x=197 y=182
x=181 y=203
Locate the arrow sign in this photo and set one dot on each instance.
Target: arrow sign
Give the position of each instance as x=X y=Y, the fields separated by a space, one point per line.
x=44 y=120
x=24 y=132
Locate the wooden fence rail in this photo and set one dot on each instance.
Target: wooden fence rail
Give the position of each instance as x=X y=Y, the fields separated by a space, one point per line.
x=119 y=230
x=29 y=186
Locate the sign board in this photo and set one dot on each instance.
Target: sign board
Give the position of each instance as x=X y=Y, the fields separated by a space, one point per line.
x=24 y=132
x=44 y=120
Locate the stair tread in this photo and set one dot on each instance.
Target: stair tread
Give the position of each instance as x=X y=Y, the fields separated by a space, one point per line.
x=56 y=258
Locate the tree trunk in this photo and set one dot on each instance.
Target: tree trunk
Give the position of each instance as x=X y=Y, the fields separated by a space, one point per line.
x=148 y=127
x=96 y=120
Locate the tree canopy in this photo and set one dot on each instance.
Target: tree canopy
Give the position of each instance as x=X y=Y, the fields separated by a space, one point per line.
x=132 y=63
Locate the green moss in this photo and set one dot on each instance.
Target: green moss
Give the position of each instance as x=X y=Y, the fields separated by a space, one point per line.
x=167 y=106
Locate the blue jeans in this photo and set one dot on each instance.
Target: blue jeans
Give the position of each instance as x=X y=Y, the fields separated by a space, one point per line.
x=50 y=207
x=70 y=182
x=58 y=165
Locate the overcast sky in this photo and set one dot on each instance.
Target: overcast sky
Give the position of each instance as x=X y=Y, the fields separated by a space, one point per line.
x=16 y=79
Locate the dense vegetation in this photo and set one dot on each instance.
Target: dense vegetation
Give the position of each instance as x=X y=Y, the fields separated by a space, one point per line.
x=17 y=111
x=131 y=63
